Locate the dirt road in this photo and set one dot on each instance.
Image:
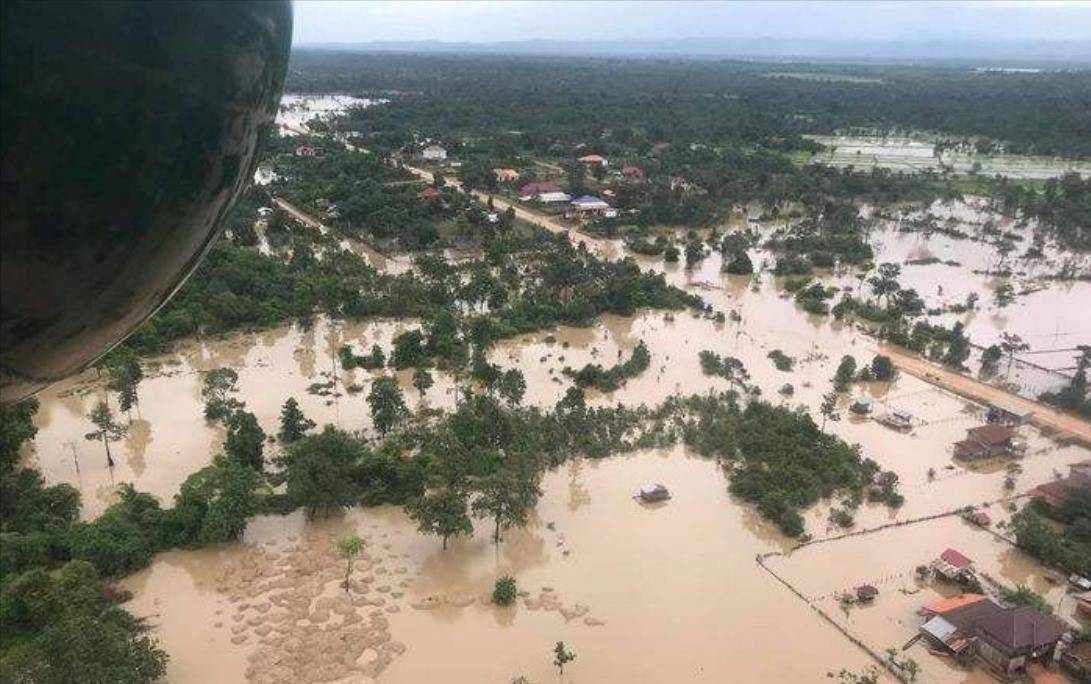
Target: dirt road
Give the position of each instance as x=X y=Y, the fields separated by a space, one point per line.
x=310 y=221
x=1044 y=416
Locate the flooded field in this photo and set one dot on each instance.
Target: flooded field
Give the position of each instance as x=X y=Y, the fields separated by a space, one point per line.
x=670 y=593
x=823 y=572
x=913 y=155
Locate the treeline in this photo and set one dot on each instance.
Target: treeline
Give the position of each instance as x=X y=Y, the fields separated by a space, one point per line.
x=542 y=102
x=546 y=283
x=59 y=622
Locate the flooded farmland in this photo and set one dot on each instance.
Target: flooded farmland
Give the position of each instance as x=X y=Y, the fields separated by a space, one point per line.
x=640 y=593
x=915 y=155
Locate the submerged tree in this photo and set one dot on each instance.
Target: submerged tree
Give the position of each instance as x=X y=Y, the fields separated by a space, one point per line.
x=829 y=409
x=387 y=404
x=125 y=375
x=318 y=470
x=422 y=380
x=846 y=371
x=1011 y=344
x=217 y=390
x=106 y=429
x=506 y=497
x=562 y=656
x=245 y=439
x=349 y=548
x=293 y=424
x=442 y=512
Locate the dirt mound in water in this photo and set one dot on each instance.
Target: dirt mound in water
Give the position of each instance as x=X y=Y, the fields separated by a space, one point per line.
x=303 y=626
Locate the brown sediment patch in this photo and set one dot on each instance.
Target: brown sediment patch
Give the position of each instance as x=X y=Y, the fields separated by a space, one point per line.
x=304 y=626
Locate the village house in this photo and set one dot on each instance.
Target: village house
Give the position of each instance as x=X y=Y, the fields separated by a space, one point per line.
x=860 y=406
x=309 y=151
x=897 y=420
x=632 y=172
x=1054 y=493
x=554 y=197
x=535 y=188
x=433 y=153
x=1009 y=412
x=653 y=492
x=952 y=565
x=504 y=175
x=1077 y=661
x=986 y=441
x=1008 y=639
x=586 y=207
x=591 y=159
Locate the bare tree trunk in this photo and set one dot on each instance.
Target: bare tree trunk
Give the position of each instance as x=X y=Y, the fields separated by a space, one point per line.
x=109 y=458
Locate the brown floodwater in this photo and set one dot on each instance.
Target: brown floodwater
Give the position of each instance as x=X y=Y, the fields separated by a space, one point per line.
x=677 y=588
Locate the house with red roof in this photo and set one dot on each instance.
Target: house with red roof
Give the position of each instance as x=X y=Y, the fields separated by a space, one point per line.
x=538 y=188
x=952 y=565
x=632 y=172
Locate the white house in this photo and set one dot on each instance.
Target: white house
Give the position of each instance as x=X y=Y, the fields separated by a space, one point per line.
x=433 y=153
x=553 y=197
x=587 y=206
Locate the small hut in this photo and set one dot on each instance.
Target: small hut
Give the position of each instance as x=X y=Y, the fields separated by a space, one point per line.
x=653 y=492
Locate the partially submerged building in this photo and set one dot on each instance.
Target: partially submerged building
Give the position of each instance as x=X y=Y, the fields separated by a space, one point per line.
x=1054 y=493
x=897 y=420
x=987 y=441
x=860 y=406
x=1009 y=412
x=1006 y=638
x=954 y=566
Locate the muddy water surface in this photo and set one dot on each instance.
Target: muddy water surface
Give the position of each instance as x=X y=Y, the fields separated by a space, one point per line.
x=657 y=595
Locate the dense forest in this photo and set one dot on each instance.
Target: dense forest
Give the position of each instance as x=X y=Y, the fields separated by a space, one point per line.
x=708 y=135
x=540 y=102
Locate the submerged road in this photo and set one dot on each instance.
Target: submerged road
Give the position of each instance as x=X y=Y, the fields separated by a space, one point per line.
x=1044 y=415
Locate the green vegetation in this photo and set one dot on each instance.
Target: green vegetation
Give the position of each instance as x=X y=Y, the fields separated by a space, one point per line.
x=561 y=657
x=349 y=548
x=504 y=592
x=608 y=380
x=1023 y=595
x=727 y=367
x=293 y=424
x=782 y=462
x=1059 y=537
x=106 y=429
x=782 y=361
x=1074 y=396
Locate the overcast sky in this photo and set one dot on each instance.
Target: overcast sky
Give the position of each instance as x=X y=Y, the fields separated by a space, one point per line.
x=486 y=22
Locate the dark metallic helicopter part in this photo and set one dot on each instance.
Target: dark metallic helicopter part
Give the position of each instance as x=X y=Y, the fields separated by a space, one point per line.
x=128 y=130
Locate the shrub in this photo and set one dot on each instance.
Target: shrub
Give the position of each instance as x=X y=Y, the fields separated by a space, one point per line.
x=505 y=591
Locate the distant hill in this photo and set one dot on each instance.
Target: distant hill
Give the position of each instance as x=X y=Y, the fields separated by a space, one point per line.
x=1070 y=52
